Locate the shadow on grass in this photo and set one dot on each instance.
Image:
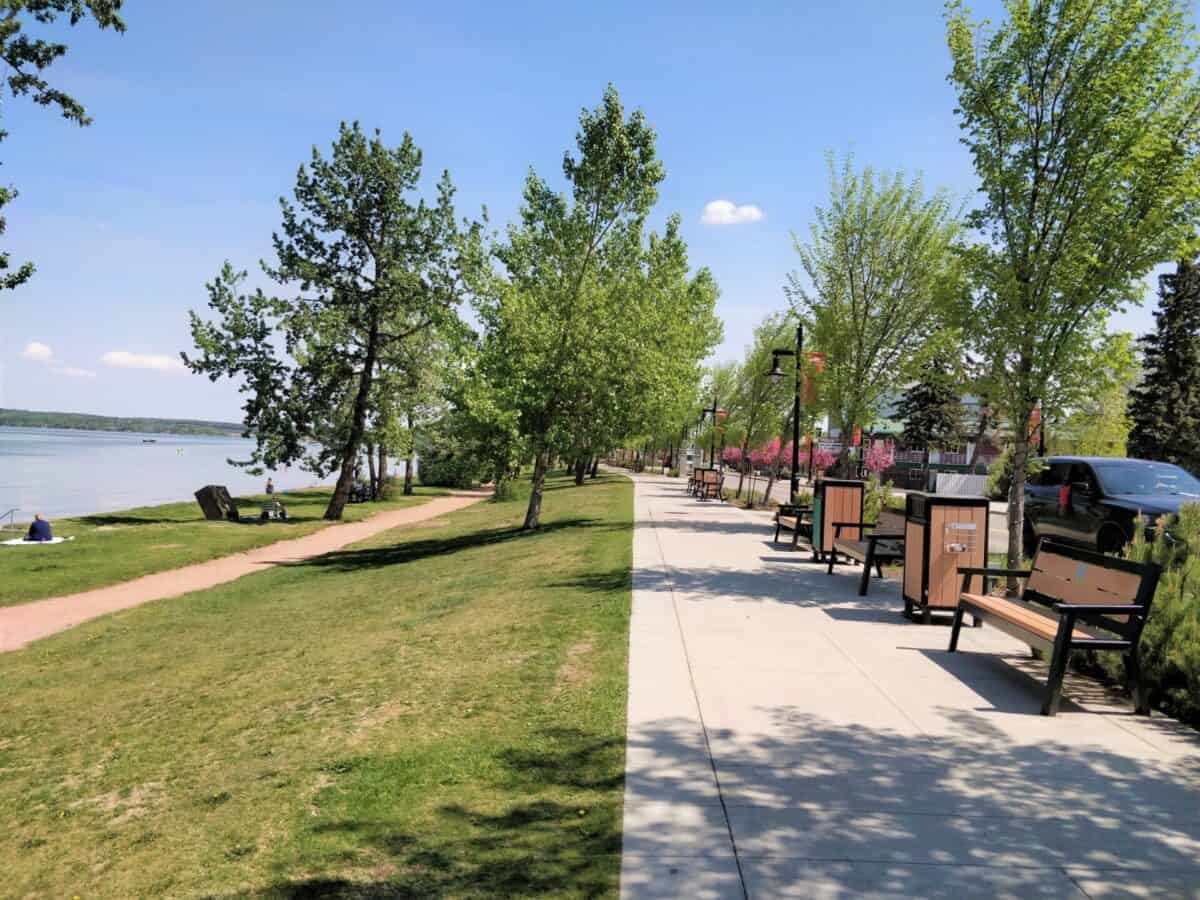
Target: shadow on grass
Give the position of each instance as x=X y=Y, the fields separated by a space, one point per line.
x=600 y=582
x=411 y=551
x=533 y=847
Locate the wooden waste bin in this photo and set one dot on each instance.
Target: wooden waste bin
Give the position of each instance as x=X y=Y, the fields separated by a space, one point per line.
x=835 y=500
x=941 y=533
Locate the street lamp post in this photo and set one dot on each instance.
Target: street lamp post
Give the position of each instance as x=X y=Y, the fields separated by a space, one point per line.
x=776 y=374
x=712 y=444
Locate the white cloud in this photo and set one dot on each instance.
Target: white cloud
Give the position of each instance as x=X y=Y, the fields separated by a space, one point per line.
x=38 y=352
x=725 y=212
x=123 y=359
x=72 y=372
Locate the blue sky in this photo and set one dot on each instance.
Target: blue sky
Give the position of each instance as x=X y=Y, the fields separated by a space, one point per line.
x=203 y=111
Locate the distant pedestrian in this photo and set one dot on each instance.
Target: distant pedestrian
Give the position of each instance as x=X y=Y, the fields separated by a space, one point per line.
x=39 y=530
x=270 y=487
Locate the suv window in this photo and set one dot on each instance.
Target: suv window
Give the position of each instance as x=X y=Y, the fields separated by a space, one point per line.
x=1081 y=473
x=1055 y=475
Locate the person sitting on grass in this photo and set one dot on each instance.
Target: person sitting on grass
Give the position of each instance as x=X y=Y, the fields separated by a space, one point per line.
x=39 y=530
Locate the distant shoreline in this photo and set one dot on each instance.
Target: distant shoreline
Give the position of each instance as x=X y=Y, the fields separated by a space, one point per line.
x=24 y=418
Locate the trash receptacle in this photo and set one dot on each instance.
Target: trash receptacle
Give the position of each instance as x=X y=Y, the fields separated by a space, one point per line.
x=941 y=533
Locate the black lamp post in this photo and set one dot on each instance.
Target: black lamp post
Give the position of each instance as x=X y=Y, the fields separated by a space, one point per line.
x=776 y=374
x=712 y=448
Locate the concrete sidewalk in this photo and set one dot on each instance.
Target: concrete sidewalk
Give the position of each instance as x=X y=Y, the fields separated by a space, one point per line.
x=788 y=738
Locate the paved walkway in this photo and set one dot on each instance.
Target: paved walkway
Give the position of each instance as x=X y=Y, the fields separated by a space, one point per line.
x=28 y=622
x=788 y=738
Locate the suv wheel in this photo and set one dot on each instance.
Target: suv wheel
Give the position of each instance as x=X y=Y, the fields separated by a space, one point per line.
x=1110 y=540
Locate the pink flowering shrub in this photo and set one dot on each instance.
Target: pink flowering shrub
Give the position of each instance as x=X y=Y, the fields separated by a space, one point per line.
x=732 y=457
x=880 y=457
x=822 y=459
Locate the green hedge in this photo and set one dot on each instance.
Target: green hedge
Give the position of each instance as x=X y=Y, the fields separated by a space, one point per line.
x=1170 y=647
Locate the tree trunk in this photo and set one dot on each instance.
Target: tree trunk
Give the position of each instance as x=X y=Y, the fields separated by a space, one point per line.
x=1016 y=496
x=385 y=486
x=580 y=470
x=341 y=492
x=533 y=514
x=371 y=469
x=742 y=467
x=410 y=459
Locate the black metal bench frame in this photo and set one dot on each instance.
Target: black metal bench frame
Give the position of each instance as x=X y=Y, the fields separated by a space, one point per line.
x=1095 y=615
x=793 y=511
x=872 y=555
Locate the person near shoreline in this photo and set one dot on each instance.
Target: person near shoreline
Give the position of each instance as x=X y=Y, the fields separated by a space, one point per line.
x=270 y=486
x=39 y=530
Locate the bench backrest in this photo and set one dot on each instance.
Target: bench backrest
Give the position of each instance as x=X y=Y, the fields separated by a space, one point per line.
x=1062 y=574
x=709 y=476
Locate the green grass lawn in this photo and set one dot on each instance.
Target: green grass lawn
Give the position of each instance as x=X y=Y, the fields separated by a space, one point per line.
x=437 y=711
x=114 y=547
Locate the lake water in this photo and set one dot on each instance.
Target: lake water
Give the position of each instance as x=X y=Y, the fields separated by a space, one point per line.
x=63 y=472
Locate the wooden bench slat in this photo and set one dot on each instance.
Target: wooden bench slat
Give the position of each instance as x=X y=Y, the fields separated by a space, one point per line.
x=1041 y=624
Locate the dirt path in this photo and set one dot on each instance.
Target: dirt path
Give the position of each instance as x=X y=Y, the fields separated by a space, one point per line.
x=21 y=625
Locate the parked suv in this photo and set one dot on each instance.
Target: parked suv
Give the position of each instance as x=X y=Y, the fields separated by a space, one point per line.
x=1091 y=501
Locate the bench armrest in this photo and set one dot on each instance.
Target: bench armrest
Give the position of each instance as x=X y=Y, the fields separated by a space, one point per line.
x=838 y=526
x=995 y=573
x=1115 y=608
x=883 y=536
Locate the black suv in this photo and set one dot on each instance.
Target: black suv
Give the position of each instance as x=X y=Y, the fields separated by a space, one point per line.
x=1091 y=501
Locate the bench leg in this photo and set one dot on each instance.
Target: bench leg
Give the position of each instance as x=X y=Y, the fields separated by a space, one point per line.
x=1141 y=699
x=866 y=575
x=832 y=561
x=776 y=539
x=907 y=608
x=1058 y=665
x=958 y=617
x=976 y=622
x=865 y=582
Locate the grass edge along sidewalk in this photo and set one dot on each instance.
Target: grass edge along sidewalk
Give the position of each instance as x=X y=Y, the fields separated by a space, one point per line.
x=110 y=548
x=438 y=710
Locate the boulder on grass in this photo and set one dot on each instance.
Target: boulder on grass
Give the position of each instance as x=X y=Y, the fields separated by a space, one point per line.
x=216 y=503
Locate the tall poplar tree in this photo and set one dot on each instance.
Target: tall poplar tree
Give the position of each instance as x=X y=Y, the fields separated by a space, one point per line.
x=372 y=269
x=1165 y=407
x=1081 y=117
x=591 y=313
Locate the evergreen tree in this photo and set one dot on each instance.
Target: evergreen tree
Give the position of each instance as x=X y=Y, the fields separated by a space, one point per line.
x=931 y=409
x=1165 y=407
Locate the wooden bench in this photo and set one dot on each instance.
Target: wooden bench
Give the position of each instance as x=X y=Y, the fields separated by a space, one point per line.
x=884 y=544
x=1073 y=600
x=793 y=518
x=709 y=485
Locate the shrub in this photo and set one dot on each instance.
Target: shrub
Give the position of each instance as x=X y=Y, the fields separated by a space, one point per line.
x=1170 y=647
x=877 y=497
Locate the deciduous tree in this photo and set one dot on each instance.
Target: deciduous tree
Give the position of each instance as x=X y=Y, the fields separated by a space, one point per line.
x=1081 y=117
x=27 y=59
x=880 y=276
